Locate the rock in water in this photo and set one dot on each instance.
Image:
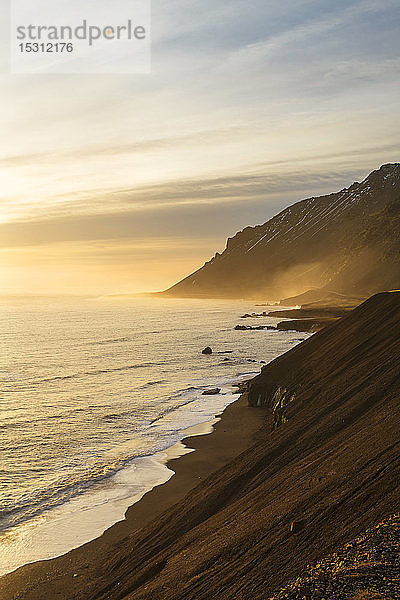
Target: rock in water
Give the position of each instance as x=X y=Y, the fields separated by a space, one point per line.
x=207 y=350
x=211 y=392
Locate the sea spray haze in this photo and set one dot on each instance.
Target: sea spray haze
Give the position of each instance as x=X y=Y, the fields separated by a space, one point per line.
x=346 y=242
x=91 y=390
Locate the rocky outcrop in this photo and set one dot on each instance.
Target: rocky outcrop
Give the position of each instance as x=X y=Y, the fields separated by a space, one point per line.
x=367 y=568
x=280 y=401
x=322 y=312
x=254 y=328
x=306 y=325
x=212 y=392
x=345 y=243
x=318 y=298
x=327 y=351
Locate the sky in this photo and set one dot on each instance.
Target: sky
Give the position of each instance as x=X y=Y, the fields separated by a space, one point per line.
x=127 y=183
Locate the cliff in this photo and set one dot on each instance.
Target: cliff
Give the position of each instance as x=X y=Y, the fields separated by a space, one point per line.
x=347 y=242
x=325 y=468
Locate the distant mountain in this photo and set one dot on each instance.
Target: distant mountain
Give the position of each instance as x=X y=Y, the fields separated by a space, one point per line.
x=347 y=242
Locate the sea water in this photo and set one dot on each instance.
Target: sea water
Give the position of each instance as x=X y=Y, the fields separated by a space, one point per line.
x=94 y=392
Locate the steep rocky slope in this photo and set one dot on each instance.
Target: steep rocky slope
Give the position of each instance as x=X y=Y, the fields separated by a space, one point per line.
x=367 y=568
x=325 y=468
x=347 y=242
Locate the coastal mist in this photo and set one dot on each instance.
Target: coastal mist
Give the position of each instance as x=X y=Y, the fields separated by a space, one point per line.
x=94 y=392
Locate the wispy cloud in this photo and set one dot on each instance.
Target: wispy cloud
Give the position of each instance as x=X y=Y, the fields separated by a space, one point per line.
x=250 y=106
x=193 y=209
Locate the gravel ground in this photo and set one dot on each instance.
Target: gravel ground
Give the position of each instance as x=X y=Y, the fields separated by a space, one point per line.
x=367 y=568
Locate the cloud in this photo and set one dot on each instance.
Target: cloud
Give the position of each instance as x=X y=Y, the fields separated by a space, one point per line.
x=193 y=209
x=275 y=181
x=250 y=106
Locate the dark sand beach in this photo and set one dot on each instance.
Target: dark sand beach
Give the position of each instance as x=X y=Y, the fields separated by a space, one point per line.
x=278 y=486
x=237 y=429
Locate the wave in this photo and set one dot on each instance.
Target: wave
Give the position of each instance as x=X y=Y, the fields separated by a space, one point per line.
x=151 y=383
x=111 y=341
x=122 y=340
x=37 y=382
x=196 y=391
x=34 y=504
x=193 y=393
x=64 y=489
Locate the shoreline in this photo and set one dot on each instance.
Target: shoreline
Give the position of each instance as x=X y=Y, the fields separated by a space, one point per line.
x=233 y=431
x=99 y=510
x=87 y=516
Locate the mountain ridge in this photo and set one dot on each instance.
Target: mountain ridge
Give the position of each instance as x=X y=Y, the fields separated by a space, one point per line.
x=347 y=242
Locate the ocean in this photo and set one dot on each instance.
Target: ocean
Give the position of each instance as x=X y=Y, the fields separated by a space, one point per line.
x=94 y=392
